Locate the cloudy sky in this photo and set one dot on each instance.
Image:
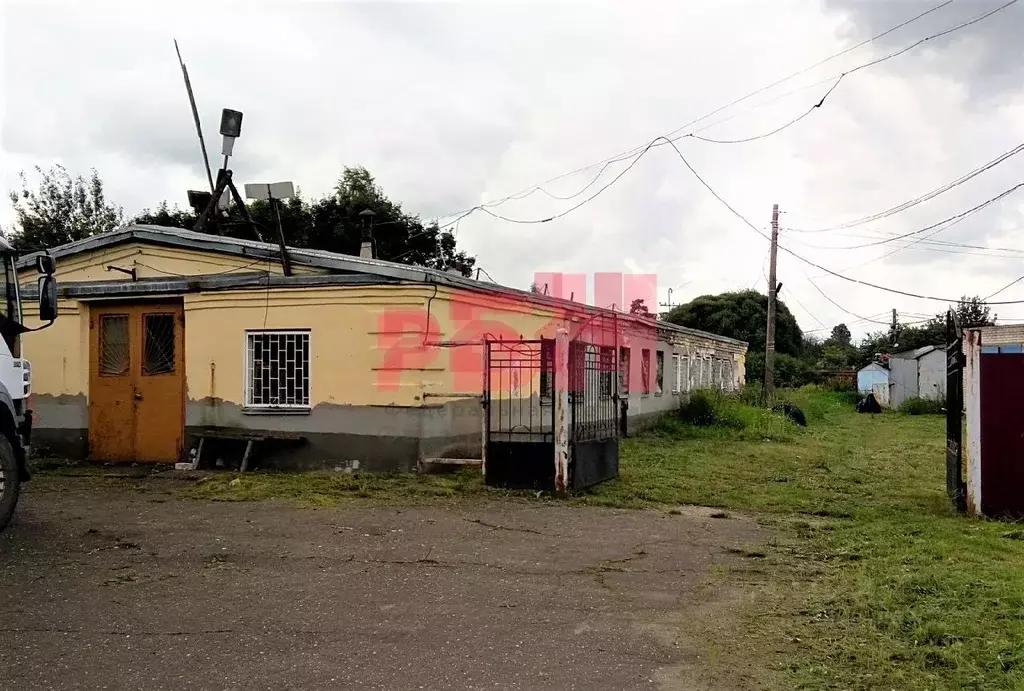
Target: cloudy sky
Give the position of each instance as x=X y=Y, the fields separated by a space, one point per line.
x=454 y=104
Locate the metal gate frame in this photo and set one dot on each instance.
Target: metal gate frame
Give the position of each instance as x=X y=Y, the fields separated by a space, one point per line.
x=955 y=486
x=550 y=414
x=519 y=414
x=594 y=414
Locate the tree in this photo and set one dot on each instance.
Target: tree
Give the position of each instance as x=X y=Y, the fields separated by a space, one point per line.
x=62 y=209
x=971 y=312
x=841 y=335
x=165 y=216
x=741 y=315
x=639 y=308
x=789 y=371
x=332 y=223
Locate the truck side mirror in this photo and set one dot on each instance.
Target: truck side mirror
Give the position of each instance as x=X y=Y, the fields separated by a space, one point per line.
x=47 y=298
x=45 y=264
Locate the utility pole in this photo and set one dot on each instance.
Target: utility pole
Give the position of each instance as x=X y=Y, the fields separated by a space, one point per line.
x=893 y=328
x=773 y=294
x=669 y=303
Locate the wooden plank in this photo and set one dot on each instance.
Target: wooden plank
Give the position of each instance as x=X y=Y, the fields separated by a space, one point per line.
x=199 y=454
x=245 y=457
x=260 y=436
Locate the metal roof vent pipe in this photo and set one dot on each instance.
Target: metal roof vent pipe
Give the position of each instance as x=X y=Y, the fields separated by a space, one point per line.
x=367 y=249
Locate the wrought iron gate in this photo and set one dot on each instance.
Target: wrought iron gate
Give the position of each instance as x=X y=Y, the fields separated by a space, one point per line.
x=955 y=485
x=594 y=424
x=519 y=415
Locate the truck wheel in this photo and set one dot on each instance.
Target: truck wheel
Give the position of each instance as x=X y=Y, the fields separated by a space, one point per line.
x=9 y=481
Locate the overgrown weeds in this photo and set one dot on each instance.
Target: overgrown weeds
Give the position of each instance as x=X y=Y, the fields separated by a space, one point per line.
x=915 y=405
x=712 y=414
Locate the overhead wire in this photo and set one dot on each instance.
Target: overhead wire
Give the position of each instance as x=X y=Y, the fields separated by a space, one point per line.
x=843 y=309
x=809 y=262
x=807 y=311
x=777 y=129
x=1005 y=287
x=952 y=220
x=910 y=203
x=926 y=240
x=624 y=155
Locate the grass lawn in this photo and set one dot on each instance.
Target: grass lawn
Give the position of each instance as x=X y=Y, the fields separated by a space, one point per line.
x=874 y=582
x=871 y=581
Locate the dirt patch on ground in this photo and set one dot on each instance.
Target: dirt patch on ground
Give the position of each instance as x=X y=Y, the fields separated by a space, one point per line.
x=109 y=587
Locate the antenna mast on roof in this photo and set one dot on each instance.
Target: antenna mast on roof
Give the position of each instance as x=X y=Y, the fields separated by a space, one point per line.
x=195 y=114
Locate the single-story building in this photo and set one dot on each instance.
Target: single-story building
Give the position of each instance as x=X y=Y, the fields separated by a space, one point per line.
x=917 y=373
x=167 y=335
x=874 y=379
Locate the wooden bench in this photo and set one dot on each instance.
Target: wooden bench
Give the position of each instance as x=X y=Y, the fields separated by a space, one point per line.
x=250 y=438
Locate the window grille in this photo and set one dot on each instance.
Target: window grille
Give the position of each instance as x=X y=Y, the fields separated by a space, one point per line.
x=114 y=351
x=277 y=369
x=158 y=347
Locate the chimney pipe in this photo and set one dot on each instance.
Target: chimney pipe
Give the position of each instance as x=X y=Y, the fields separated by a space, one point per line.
x=367 y=249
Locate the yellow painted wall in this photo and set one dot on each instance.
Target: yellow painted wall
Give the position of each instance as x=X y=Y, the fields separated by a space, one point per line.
x=345 y=360
x=355 y=334
x=155 y=261
x=59 y=354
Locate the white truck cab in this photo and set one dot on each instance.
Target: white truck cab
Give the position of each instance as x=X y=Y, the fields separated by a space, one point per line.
x=16 y=373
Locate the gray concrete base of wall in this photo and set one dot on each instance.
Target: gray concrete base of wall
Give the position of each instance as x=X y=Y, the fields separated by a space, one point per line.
x=343 y=438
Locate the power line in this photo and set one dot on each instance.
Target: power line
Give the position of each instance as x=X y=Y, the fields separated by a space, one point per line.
x=576 y=206
x=527 y=191
x=942 y=226
x=922 y=198
x=777 y=129
x=793 y=254
x=1008 y=285
x=843 y=309
x=808 y=312
x=926 y=240
x=954 y=218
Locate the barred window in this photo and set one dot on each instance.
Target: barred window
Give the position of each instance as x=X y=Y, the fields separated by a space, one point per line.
x=277 y=369
x=547 y=371
x=607 y=365
x=645 y=370
x=624 y=370
x=678 y=370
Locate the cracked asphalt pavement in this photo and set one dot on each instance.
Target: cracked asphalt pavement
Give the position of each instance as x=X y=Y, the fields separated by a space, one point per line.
x=105 y=587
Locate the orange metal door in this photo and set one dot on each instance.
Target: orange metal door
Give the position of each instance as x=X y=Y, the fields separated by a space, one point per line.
x=136 y=383
x=113 y=351
x=159 y=386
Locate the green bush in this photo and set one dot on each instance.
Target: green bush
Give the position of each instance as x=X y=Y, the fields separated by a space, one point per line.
x=915 y=405
x=789 y=371
x=709 y=408
x=713 y=414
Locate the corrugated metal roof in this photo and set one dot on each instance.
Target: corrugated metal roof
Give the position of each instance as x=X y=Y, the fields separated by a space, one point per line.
x=333 y=261
x=918 y=352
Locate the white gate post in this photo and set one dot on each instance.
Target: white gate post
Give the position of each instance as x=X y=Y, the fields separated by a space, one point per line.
x=561 y=410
